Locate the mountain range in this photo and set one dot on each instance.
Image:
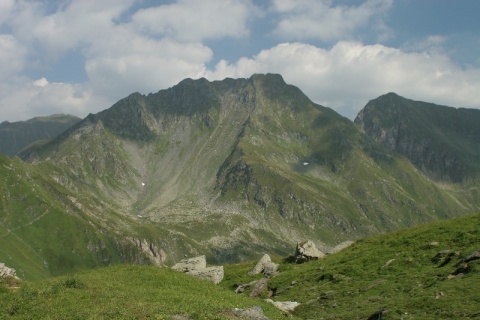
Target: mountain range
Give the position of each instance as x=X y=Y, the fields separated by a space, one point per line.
x=14 y=136
x=228 y=169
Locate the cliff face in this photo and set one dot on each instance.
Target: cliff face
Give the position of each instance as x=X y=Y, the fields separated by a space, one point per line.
x=443 y=142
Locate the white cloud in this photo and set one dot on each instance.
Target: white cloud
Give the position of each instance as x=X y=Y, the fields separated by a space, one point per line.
x=22 y=98
x=154 y=48
x=432 y=43
x=193 y=20
x=317 y=19
x=12 y=56
x=6 y=7
x=42 y=82
x=144 y=64
x=349 y=74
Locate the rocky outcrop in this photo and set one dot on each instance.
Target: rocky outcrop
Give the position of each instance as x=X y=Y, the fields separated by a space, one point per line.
x=6 y=272
x=197 y=267
x=307 y=251
x=156 y=255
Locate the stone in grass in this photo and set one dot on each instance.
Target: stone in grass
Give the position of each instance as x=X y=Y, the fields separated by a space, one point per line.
x=259 y=287
x=6 y=272
x=307 y=251
x=213 y=274
x=285 y=306
x=266 y=266
x=253 y=313
x=197 y=267
x=186 y=265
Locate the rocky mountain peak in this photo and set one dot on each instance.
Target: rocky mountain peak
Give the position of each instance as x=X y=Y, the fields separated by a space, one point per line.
x=442 y=141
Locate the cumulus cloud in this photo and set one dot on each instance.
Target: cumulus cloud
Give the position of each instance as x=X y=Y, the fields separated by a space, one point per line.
x=12 y=56
x=144 y=65
x=126 y=49
x=349 y=74
x=319 y=19
x=193 y=20
x=21 y=99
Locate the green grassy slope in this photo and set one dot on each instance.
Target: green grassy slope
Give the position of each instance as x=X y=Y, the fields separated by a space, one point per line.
x=44 y=230
x=416 y=273
x=404 y=273
x=125 y=292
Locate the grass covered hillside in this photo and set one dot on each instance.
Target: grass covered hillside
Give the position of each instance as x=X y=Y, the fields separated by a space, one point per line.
x=429 y=272
x=125 y=292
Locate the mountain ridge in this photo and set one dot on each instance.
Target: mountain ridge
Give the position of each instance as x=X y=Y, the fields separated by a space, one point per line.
x=228 y=169
x=14 y=136
x=442 y=141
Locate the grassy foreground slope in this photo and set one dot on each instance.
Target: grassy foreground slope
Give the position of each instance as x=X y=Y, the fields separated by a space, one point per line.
x=125 y=292
x=417 y=273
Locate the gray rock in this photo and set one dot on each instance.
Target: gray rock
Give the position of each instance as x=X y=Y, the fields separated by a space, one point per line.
x=260 y=265
x=265 y=266
x=253 y=313
x=197 y=267
x=286 y=306
x=473 y=256
x=242 y=287
x=259 y=287
x=307 y=251
x=191 y=264
x=213 y=274
x=270 y=269
x=6 y=272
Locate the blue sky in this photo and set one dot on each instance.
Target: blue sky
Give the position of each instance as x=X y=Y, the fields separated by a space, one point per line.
x=81 y=56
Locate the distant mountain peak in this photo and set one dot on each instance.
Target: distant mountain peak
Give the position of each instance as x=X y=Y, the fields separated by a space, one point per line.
x=442 y=141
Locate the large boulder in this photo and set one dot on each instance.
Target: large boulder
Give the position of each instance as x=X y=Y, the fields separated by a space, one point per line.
x=197 y=267
x=191 y=264
x=266 y=266
x=260 y=264
x=307 y=251
x=213 y=274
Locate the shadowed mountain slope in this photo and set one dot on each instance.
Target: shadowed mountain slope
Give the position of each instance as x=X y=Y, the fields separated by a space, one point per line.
x=14 y=136
x=444 y=142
